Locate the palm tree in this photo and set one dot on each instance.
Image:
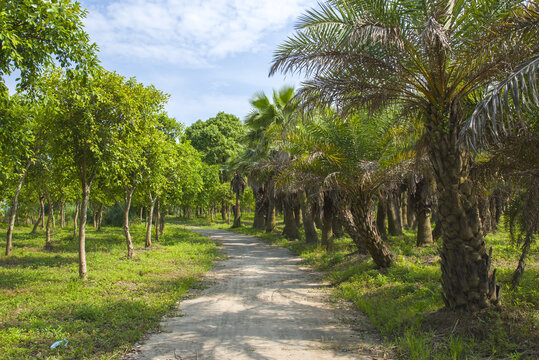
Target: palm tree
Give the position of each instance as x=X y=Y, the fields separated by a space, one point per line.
x=433 y=57
x=238 y=184
x=267 y=124
x=343 y=157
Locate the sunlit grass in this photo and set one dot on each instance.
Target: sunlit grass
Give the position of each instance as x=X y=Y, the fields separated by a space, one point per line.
x=43 y=301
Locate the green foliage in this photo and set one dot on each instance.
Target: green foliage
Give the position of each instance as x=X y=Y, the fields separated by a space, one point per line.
x=217 y=139
x=42 y=300
x=35 y=33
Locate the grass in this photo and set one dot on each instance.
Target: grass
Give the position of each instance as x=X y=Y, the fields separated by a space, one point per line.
x=43 y=301
x=404 y=302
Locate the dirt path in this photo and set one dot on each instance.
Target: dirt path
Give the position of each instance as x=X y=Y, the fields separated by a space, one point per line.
x=260 y=305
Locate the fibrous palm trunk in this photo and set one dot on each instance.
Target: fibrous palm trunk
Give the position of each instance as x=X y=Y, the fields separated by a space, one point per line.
x=270 y=218
x=328 y=212
x=260 y=207
x=381 y=218
x=467 y=281
x=311 y=236
x=394 y=225
x=360 y=220
x=290 y=229
x=237 y=212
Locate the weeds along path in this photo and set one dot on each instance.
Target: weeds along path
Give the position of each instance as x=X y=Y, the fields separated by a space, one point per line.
x=259 y=305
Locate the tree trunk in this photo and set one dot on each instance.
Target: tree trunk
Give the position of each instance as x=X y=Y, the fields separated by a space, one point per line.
x=76 y=218
x=62 y=214
x=404 y=209
x=517 y=274
x=466 y=279
x=157 y=221
x=141 y=213
x=423 y=209
x=290 y=230
x=13 y=210
x=223 y=210
x=149 y=219
x=327 y=223
x=51 y=210
x=298 y=214
x=360 y=223
x=424 y=229
x=41 y=214
x=48 y=242
x=237 y=212
x=128 y=195
x=99 y=217
x=270 y=218
x=94 y=216
x=162 y=218
x=86 y=186
x=393 y=216
x=381 y=218
x=260 y=207
x=311 y=236
x=411 y=214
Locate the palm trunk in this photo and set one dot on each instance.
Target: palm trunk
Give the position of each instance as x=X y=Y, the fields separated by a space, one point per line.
x=381 y=218
x=466 y=279
x=517 y=274
x=393 y=216
x=260 y=208
x=13 y=210
x=423 y=209
x=237 y=212
x=411 y=213
x=290 y=230
x=311 y=236
x=270 y=218
x=360 y=223
x=327 y=224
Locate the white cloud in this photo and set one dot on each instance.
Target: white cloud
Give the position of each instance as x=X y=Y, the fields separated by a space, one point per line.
x=191 y=33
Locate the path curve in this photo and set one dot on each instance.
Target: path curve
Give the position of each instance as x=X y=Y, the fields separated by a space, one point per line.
x=260 y=305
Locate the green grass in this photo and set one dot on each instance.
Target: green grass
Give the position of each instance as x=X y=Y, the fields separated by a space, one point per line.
x=404 y=302
x=43 y=301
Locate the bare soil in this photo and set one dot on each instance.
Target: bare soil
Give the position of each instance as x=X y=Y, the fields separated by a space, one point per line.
x=259 y=304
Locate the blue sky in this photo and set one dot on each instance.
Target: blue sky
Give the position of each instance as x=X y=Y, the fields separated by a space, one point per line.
x=209 y=55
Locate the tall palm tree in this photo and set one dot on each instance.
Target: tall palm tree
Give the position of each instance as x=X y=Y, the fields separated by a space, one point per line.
x=433 y=57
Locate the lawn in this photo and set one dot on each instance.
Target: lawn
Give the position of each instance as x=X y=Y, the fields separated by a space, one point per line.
x=43 y=301
x=404 y=302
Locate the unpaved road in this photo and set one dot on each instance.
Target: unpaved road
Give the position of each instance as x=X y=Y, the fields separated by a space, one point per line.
x=260 y=305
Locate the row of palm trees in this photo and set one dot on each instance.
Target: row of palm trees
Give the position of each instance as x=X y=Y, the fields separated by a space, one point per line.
x=394 y=99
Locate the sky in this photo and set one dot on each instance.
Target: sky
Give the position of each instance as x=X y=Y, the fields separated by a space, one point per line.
x=208 y=55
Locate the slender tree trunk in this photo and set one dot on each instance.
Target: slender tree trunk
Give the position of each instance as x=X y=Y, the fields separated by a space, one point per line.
x=327 y=223
x=290 y=230
x=62 y=214
x=99 y=217
x=86 y=186
x=76 y=218
x=223 y=210
x=42 y=205
x=13 y=210
x=51 y=210
x=162 y=218
x=157 y=221
x=381 y=218
x=270 y=219
x=141 y=211
x=48 y=242
x=128 y=195
x=466 y=279
x=149 y=219
x=237 y=212
x=393 y=216
x=41 y=211
x=411 y=213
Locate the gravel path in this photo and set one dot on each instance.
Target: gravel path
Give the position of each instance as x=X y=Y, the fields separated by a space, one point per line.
x=259 y=305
